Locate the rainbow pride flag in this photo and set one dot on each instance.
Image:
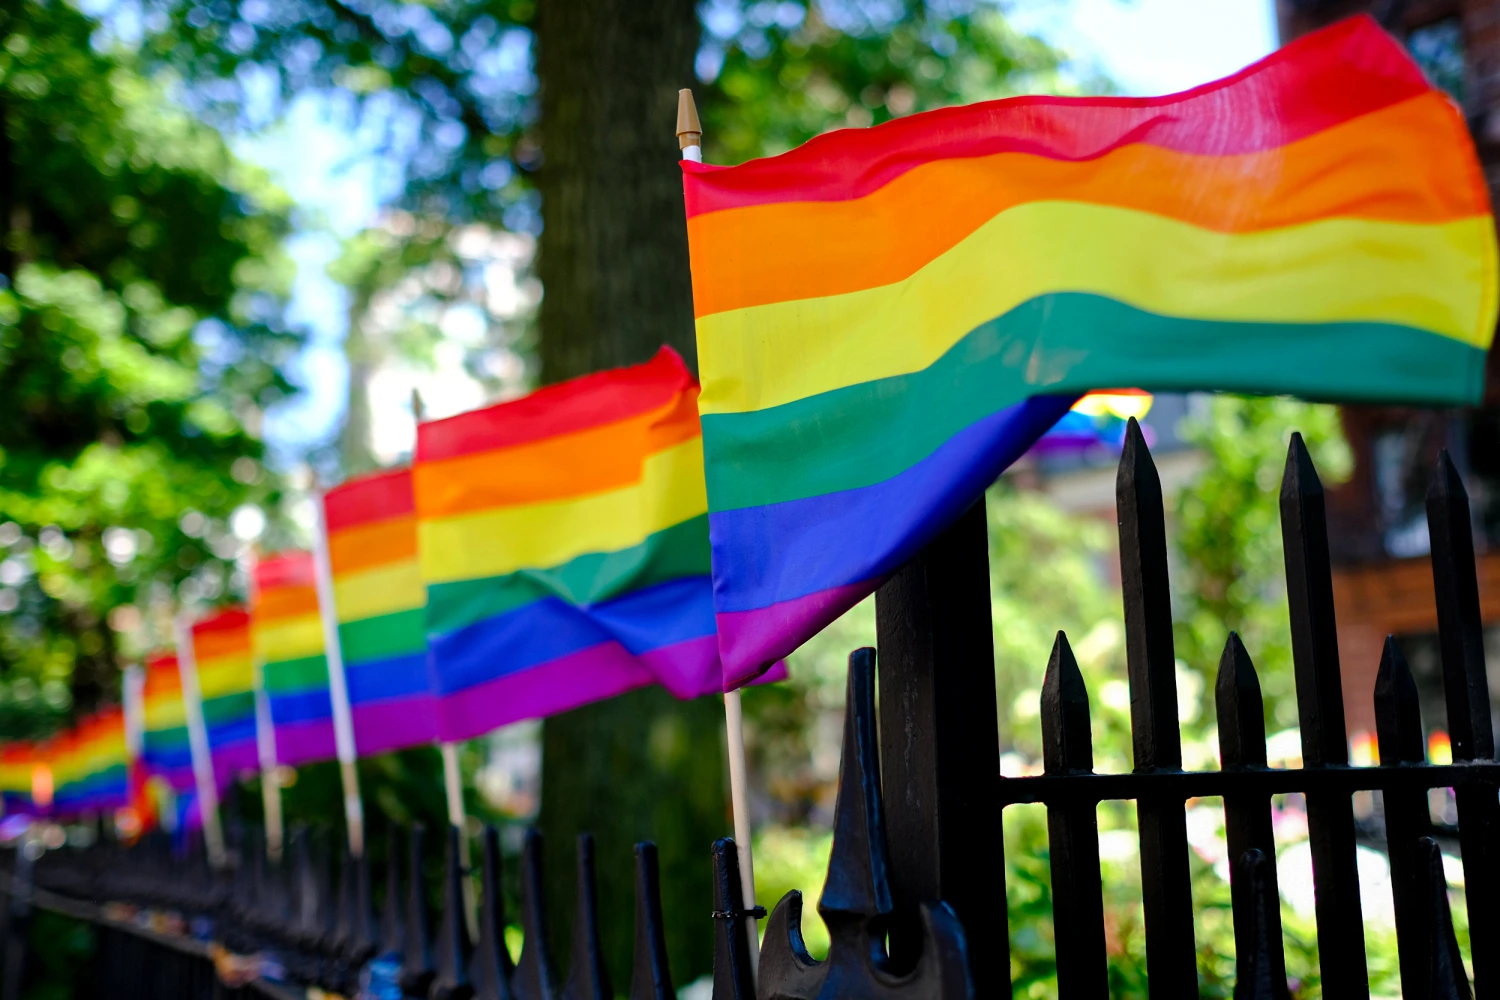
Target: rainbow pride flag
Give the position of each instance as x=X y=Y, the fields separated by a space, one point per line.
x=1097 y=421
x=564 y=547
x=226 y=680
x=381 y=604
x=165 y=749
x=90 y=765
x=888 y=317
x=19 y=762
x=289 y=661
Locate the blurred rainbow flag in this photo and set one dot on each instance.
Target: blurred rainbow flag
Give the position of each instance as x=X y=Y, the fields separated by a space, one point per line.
x=889 y=317
x=564 y=547
x=20 y=762
x=226 y=679
x=289 y=661
x=380 y=603
x=166 y=749
x=90 y=765
x=1097 y=420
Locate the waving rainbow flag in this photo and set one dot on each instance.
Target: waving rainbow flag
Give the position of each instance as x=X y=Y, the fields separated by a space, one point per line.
x=90 y=765
x=564 y=545
x=19 y=762
x=226 y=680
x=166 y=751
x=380 y=602
x=888 y=317
x=287 y=637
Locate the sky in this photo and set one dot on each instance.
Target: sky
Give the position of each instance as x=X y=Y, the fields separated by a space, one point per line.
x=1145 y=47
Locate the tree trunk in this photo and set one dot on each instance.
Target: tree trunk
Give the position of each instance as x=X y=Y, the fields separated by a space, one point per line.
x=614 y=268
x=613 y=257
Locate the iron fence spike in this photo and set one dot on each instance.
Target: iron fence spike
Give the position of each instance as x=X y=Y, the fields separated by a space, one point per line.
x=1260 y=965
x=588 y=979
x=416 y=968
x=451 y=951
x=1240 y=710
x=651 y=978
x=1320 y=709
x=1445 y=975
x=1151 y=663
x=491 y=970
x=534 y=979
x=1073 y=831
x=1067 y=743
x=1467 y=698
x=392 y=928
x=732 y=976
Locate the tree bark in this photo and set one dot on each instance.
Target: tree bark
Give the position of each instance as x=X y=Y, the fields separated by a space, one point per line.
x=613 y=257
x=613 y=263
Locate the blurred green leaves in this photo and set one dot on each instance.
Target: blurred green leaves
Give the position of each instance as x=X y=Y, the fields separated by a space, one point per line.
x=141 y=336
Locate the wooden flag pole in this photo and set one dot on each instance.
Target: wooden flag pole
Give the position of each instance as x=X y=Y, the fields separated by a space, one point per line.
x=270 y=774
x=453 y=781
x=133 y=701
x=203 y=764
x=690 y=141
x=338 y=681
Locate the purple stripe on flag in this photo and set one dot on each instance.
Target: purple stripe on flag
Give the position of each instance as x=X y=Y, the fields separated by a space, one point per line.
x=231 y=760
x=751 y=639
x=592 y=674
x=305 y=742
x=179 y=779
x=394 y=723
x=691 y=669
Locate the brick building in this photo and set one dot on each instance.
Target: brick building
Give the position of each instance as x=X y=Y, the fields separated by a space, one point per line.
x=1378 y=528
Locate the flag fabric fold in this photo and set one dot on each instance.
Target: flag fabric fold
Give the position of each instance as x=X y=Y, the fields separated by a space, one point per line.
x=380 y=604
x=888 y=317
x=290 y=666
x=564 y=548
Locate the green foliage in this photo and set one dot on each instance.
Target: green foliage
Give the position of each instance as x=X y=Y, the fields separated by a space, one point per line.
x=793 y=71
x=1228 y=533
x=140 y=335
x=59 y=956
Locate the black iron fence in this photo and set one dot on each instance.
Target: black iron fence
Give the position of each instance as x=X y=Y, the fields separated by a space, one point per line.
x=914 y=899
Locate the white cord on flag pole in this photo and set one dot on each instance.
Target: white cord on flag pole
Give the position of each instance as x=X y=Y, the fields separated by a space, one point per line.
x=690 y=141
x=338 y=681
x=203 y=765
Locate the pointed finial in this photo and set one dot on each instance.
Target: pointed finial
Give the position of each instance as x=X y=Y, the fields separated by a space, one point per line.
x=689 y=129
x=651 y=978
x=418 y=410
x=1398 y=720
x=534 y=979
x=1241 y=712
x=451 y=951
x=1446 y=482
x=491 y=971
x=1300 y=477
x=1067 y=745
x=587 y=977
x=733 y=979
